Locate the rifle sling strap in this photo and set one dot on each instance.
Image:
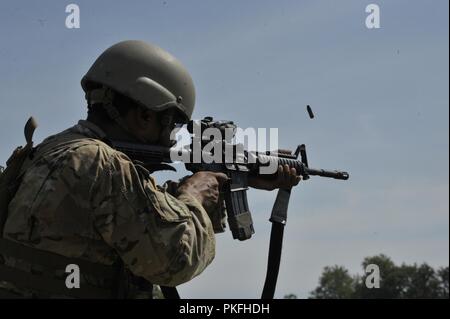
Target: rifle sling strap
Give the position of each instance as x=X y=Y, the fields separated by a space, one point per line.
x=278 y=219
x=273 y=265
x=170 y=292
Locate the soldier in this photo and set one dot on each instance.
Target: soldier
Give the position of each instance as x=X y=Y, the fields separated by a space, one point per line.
x=81 y=202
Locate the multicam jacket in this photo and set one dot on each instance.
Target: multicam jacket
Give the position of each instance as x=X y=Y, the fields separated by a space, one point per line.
x=81 y=198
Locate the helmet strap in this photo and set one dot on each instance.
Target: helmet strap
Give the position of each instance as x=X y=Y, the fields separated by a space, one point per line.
x=105 y=97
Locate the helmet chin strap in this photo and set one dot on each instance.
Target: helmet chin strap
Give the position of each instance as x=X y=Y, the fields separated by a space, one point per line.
x=105 y=97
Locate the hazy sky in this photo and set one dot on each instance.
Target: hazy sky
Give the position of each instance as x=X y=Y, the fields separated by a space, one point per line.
x=380 y=97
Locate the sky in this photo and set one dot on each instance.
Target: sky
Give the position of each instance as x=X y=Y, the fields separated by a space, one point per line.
x=380 y=98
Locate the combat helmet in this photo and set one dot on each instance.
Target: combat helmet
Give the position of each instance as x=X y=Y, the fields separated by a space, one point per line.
x=145 y=73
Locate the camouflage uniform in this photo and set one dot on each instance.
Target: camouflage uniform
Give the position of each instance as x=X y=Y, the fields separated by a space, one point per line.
x=81 y=198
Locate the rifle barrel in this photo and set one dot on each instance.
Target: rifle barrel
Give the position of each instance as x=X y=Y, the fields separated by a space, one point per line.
x=325 y=173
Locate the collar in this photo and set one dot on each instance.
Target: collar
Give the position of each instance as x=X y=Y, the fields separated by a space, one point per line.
x=89 y=129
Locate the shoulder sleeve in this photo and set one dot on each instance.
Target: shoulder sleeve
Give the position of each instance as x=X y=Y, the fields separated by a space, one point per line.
x=166 y=240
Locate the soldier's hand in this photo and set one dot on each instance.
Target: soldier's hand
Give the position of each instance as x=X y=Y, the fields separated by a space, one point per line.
x=286 y=178
x=205 y=187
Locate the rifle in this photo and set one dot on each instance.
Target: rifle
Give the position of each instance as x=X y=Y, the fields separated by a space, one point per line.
x=242 y=165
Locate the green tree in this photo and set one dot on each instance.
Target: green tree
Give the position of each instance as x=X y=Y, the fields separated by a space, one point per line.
x=443 y=274
x=404 y=281
x=334 y=283
x=391 y=280
x=424 y=283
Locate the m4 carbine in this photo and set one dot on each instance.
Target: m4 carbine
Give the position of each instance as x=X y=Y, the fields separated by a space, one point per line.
x=242 y=165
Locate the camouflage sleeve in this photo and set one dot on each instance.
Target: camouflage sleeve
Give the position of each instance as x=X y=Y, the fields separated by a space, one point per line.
x=218 y=216
x=166 y=240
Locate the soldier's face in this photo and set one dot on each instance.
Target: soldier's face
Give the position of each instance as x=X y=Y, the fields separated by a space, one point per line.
x=144 y=125
x=149 y=127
